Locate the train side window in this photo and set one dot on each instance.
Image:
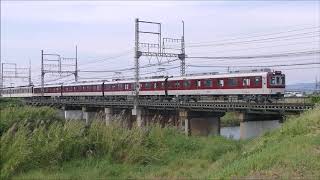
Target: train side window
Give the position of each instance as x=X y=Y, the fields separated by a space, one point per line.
x=155 y=85
x=208 y=83
x=162 y=85
x=257 y=80
x=120 y=86
x=126 y=86
x=232 y=81
x=187 y=84
x=177 y=84
x=147 y=85
x=198 y=83
x=246 y=82
x=220 y=82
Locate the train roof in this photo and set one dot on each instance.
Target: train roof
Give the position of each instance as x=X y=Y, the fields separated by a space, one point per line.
x=161 y=78
x=17 y=87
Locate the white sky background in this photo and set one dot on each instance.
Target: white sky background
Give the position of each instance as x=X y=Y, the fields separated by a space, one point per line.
x=106 y=29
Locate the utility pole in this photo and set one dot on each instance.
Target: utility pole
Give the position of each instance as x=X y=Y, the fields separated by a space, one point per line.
x=76 y=66
x=182 y=56
x=137 y=55
x=147 y=49
x=42 y=74
x=30 y=82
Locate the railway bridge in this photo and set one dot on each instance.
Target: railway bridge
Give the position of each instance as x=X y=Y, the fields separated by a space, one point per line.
x=196 y=118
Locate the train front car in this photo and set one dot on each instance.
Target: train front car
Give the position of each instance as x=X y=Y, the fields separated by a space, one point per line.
x=275 y=85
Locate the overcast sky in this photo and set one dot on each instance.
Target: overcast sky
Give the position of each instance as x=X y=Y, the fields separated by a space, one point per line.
x=106 y=29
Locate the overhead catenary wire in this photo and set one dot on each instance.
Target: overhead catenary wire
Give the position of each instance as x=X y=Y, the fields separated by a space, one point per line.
x=309 y=43
x=303 y=53
x=273 y=65
x=252 y=36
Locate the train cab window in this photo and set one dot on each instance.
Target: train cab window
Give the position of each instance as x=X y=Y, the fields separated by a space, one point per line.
x=273 y=80
x=198 y=83
x=257 y=80
x=220 y=82
x=246 y=82
x=186 y=84
x=283 y=80
x=277 y=80
x=232 y=81
x=208 y=83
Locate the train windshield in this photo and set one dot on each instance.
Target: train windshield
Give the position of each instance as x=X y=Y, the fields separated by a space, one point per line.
x=277 y=80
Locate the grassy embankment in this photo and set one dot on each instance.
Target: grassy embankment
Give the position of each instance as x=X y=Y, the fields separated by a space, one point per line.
x=35 y=143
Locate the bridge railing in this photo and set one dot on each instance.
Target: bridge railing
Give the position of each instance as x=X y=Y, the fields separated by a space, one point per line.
x=280 y=106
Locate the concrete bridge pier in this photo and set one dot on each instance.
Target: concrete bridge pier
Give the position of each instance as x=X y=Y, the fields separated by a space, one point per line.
x=108 y=115
x=127 y=119
x=252 y=125
x=61 y=113
x=88 y=114
x=140 y=117
x=200 y=123
x=72 y=113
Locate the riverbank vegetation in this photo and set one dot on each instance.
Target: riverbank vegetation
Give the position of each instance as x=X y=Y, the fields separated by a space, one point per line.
x=230 y=119
x=37 y=144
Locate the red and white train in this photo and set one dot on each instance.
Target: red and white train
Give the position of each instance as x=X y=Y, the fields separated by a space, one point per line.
x=253 y=85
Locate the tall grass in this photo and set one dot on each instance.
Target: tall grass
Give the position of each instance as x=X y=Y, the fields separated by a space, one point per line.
x=36 y=138
x=43 y=146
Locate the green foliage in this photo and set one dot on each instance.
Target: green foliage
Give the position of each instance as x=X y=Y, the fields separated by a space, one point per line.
x=315 y=99
x=230 y=119
x=9 y=102
x=71 y=150
x=35 y=138
x=33 y=116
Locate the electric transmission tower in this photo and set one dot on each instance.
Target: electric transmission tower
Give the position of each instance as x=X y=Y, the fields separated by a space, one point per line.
x=158 y=49
x=56 y=64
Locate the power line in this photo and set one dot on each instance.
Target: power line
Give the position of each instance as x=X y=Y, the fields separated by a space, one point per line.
x=261 y=35
x=265 y=47
x=277 y=65
x=288 y=59
x=108 y=58
x=303 y=53
x=256 y=40
x=130 y=68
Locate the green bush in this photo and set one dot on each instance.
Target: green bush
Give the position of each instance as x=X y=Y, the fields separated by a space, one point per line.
x=315 y=99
